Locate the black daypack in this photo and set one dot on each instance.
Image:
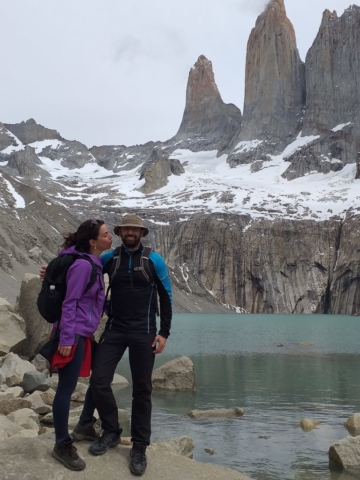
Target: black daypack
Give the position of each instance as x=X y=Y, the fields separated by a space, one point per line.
x=53 y=289
x=144 y=268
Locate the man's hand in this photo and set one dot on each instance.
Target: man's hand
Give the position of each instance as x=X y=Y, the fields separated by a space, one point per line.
x=160 y=343
x=42 y=271
x=64 y=350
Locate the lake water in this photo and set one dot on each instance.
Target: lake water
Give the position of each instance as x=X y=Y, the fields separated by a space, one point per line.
x=238 y=363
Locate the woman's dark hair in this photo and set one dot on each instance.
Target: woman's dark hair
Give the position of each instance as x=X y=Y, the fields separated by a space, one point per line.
x=88 y=230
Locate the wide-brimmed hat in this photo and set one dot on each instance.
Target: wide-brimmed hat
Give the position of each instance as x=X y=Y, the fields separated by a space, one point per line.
x=131 y=220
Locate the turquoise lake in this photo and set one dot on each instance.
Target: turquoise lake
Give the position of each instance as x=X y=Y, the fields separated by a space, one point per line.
x=239 y=363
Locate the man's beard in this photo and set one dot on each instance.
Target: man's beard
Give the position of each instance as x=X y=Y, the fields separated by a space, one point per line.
x=130 y=242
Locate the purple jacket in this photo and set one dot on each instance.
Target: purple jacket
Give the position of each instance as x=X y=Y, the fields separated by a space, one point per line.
x=81 y=311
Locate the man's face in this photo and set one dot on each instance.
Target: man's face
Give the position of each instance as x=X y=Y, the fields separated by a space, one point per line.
x=131 y=236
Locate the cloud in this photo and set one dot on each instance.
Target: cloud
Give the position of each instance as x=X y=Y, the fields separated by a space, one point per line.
x=248 y=6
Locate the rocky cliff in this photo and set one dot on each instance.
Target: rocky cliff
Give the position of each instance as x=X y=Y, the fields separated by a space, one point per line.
x=332 y=96
x=274 y=83
x=30 y=131
x=207 y=122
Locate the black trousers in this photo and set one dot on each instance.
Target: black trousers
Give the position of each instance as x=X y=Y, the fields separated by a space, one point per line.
x=109 y=352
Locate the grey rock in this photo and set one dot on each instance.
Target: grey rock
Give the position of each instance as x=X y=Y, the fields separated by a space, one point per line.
x=352 y=424
x=332 y=98
x=180 y=446
x=26 y=163
x=12 y=331
x=26 y=418
x=176 y=375
x=5 y=138
x=274 y=83
x=306 y=424
x=29 y=132
x=176 y=166
x=40 y=363
x=217 y=413
x=346 y=453
x=35 y=381
x=156 y=175
x=9 y=405
x=72 y=154
x=37 y=329
x=31 y=457
x=208 y=123
x=14 y=369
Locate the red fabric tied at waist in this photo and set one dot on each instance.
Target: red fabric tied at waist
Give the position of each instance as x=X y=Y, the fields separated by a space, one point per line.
x=59 y=361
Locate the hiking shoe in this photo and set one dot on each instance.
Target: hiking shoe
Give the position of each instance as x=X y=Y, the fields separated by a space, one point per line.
x=138 y=462
x=66 y=453
x=85 y=432
x=101 y=445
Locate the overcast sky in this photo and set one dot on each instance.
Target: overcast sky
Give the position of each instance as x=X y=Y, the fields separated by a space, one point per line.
x=115 y=71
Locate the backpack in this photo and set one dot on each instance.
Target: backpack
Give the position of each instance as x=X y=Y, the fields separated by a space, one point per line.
x=144 y=268
x=53 y=289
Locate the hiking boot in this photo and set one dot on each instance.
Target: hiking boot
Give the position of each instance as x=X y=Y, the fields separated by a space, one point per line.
x=102 y=444
x=66 y=453
x=85 y=432
x=138 y=462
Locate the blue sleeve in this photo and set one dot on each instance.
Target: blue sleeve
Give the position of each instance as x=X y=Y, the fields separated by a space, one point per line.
x=105 y=257
x=163 y=285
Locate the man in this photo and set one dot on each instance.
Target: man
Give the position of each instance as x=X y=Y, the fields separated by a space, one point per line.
x=131 y=324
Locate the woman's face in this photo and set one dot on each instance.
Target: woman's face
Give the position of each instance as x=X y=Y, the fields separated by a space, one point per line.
x=104 y=239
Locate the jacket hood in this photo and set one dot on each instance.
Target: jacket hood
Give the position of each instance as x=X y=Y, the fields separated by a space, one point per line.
x=72 y=251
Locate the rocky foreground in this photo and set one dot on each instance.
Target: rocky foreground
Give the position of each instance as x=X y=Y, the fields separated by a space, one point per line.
x=30 y=459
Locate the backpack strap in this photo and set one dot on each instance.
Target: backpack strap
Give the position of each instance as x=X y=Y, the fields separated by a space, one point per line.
x=144 y=265
x=115 y=264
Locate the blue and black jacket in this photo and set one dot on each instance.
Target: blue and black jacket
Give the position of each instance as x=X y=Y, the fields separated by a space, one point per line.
x=134 y=306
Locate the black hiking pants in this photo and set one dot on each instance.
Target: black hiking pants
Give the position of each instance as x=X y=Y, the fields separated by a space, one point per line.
x=109 y=352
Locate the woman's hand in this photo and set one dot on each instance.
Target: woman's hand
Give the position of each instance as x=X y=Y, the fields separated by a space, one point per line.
x=64 y=350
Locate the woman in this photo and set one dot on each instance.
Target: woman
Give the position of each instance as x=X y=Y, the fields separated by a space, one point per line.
x=81 y=312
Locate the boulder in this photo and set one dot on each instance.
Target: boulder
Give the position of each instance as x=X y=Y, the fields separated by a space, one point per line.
x=217 y=413
x=119 y=381
x=346 y=453
x=31 y=457
x=74 y=416
x=353 y=423
x=79 y=393
x=14 y=369
x=37 y=329
x=7 y=428
x=306 y=424
x=48 y=396
x=9 y=405
x=12 y=330
x=12 y=392
x=26 y=418
x=35 y=381
x=180 y=446
x=38 y=404
x=176 y=375
x=40 y=363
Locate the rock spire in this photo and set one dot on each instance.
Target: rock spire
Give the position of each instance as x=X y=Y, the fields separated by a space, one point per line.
x=207 y=119
x=274 y=79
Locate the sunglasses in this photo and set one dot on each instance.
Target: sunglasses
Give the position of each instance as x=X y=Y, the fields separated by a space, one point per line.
x=93 y=222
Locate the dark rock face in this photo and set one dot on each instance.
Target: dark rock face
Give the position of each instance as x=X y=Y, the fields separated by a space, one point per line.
x=5 y=139
x=345 y=282
x=29 y=132
x=72 y=154
x=264 y=266
x=119 y=157
x=332 y=96
x=333 y=72
x=26 y=162
x=208 y=122
x=156 y=175
x=275 y=78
